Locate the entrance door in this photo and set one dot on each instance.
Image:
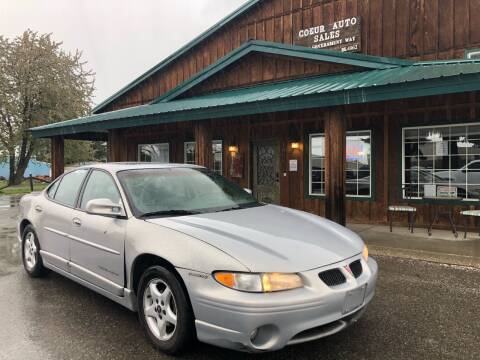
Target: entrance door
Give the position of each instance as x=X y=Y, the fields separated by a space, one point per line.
x=266 y=167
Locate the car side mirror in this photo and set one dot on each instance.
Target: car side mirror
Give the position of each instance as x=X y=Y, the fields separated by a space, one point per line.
x=105 y=207
x=248 y=191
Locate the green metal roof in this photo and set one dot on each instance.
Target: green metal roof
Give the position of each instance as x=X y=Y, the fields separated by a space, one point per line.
x=418 y=79
x=241 y=10
x=338 y=57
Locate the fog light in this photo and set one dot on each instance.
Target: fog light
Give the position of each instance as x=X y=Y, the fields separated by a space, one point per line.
x=264 y=337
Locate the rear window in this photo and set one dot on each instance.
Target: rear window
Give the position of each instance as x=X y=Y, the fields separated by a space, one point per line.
x=52 y=189
x=70 y=186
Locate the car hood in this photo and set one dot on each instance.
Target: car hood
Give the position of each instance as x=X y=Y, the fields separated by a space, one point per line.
x=271 y=238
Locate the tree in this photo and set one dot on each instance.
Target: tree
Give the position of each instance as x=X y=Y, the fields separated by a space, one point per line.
x=75 y=151
x=39 y=84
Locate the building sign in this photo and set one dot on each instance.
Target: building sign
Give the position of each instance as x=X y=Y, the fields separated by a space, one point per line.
x=342 y=35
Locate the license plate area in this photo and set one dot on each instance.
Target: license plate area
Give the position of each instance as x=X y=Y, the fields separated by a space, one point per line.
x=354 y=299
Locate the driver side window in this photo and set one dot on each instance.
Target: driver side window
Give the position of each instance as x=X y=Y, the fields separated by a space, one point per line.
x=100 y=185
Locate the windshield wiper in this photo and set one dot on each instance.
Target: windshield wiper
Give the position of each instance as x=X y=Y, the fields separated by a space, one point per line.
x=175 y=212
x=230 y=209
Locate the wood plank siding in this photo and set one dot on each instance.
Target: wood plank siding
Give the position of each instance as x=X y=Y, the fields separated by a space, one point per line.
x=241 y=74
x=385 y=120
x=418 y=29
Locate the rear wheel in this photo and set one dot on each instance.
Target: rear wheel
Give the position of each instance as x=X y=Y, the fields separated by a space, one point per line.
x=32 y=261
x=164 y=311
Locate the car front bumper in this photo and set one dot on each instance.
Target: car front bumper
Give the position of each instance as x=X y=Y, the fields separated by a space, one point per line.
x=266 y=322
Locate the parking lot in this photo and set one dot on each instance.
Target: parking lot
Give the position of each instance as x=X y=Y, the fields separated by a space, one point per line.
x=422 y=310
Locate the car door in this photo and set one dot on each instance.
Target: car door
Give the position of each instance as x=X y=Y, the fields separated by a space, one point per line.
x=97 y=242
x=55 y=218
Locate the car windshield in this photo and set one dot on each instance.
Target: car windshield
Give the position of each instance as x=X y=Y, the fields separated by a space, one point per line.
x=181 y=191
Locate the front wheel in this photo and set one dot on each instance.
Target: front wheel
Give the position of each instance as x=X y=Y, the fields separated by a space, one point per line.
x=32 y=261
x=164 y=311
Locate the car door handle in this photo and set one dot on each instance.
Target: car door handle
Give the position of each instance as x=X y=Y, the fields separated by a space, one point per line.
x=77 y=222
x=38 y=208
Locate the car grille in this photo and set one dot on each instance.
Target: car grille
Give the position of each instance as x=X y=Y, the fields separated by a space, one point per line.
x=332 y=277
x=356 y=268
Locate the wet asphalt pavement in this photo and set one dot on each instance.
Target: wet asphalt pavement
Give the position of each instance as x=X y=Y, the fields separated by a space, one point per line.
x=421 y=310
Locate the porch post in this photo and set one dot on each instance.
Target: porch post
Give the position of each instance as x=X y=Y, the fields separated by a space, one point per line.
x=203 y=143
x=57 y=156
x=335 y=153
x=116 y=146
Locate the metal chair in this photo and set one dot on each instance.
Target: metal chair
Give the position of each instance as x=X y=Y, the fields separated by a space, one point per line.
x=410 y=210
x=469 y=213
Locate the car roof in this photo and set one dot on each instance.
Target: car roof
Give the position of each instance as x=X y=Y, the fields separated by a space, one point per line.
x=114 y=167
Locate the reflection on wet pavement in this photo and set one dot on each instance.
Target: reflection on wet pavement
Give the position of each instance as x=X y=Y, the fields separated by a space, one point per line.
x=10 y=250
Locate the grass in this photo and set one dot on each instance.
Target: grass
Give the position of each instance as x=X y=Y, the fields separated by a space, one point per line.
x=23 y=188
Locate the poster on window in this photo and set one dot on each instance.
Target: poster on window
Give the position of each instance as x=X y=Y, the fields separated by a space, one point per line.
x=236 y=166
x=447 y=191
x=293 y=165
x=441 y=148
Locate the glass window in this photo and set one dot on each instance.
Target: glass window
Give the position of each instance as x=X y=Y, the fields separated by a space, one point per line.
x=69 y=186
x=154 y=153
x=52 y=189
x=217 y=150
x=358 y=164
x=189 y=152
x=100 y=185
x=441 y=160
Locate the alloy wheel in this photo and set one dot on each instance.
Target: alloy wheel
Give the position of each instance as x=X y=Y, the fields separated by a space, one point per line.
x=30 y=251
x=160 y=309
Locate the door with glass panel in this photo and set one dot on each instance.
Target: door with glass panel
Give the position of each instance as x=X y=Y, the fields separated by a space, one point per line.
x=266 y=167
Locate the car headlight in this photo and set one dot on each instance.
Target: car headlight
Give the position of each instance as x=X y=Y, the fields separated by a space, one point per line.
x=365 y=253
x=258 y=282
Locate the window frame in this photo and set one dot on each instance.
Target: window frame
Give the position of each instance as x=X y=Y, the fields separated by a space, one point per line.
x=368 y=197
x=155 y=143
x=401 y=191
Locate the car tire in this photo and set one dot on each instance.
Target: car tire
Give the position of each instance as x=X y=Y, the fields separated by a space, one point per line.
x=165 y=312
x=32 y=260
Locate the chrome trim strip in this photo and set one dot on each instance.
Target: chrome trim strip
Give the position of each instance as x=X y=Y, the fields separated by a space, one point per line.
x=56 y=231
x=86 y=242
x=52 y=256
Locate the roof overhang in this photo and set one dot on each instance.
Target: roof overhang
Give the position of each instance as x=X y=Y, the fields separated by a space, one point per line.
x=421 y=79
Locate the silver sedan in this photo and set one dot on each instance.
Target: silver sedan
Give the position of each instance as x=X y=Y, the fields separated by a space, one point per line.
x=197 y=256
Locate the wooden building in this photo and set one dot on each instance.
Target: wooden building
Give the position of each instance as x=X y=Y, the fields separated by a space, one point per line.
x=336 y=107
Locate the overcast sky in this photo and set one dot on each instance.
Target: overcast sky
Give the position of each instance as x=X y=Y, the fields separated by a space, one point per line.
x=120 y=39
